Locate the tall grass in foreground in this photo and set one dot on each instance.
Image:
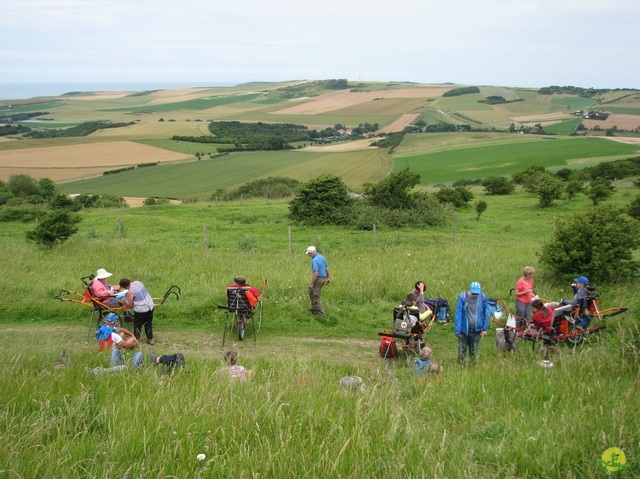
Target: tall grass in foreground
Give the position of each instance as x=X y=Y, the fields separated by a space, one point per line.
x=504 y=417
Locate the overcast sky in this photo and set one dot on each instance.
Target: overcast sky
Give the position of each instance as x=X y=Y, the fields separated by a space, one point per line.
x=529 y=43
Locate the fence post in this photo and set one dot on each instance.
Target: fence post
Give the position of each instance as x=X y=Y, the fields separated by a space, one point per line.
x=374 y=236
x=290 y=245
x=205 y=239
x=455 y=223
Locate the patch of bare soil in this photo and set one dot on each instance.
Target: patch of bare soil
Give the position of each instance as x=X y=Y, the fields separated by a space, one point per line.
x=366 y=343
x=623 y=122
x=344 y=98
x=349 y=146
x=100 y=95
x=622 y=139
x=544 y=117
x=400 y=123
x=135 y=202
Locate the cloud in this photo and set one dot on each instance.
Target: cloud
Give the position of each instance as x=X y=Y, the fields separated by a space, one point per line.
x=496 y=41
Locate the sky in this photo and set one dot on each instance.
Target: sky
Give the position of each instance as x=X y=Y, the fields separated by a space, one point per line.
x=528 y=43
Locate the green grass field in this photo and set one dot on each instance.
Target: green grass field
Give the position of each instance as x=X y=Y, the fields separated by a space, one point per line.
x=292 y=419
x=201 y=178
x=497 y=159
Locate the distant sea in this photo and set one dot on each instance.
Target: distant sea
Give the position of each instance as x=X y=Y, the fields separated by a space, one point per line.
x=23 y=91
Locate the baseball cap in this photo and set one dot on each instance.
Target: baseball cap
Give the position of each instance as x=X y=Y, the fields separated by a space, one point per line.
x=581 y=279
x=475 y=288
x=311 y=249
x=111 y=317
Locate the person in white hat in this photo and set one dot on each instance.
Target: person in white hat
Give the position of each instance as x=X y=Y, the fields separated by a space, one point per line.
x=103 y=290
x=319 y=277
x=471 y=321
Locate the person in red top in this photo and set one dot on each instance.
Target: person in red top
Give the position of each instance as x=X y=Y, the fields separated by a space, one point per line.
x=254 y=296
x=542 y=315
x=524 y=295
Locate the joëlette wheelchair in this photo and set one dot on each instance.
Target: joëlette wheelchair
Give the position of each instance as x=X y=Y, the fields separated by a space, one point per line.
x=239 y=312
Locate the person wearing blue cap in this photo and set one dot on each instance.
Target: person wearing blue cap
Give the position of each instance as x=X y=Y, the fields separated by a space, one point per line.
x=471 y=321
x=111 y=336
x=581 y=294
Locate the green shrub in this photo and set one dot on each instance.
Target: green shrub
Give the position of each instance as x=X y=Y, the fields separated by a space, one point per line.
x=599 y=244
x=54 y=228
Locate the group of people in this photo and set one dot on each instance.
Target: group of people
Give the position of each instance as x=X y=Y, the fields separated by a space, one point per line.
x=472 y=313
x=128 y=295
x=530 y=307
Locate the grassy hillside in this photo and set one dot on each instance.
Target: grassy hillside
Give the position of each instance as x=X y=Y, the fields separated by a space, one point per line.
x=201 y=178
x=492 y=157
x=292 y=418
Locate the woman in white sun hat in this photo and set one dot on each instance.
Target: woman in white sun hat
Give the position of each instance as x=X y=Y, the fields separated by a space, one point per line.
x=103 y=290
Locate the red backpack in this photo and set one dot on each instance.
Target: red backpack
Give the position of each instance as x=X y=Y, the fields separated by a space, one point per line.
x=388 y=347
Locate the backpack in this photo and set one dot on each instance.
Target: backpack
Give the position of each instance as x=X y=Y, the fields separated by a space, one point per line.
x=388 y=348
x=440 y=308
x=421 y=366
x=403 y=322
x=506 y=339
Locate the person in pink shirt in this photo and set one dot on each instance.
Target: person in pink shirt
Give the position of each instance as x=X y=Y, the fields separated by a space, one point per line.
x=524 y=295
x=103 y=290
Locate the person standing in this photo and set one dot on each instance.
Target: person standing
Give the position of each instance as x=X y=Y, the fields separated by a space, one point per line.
x=471 y=321
x=142 y=303
x=319 y=277
x=524 y=295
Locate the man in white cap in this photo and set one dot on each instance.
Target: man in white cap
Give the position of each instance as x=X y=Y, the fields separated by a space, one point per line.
x=471 y=321
x=103 y=290
x=319 y=277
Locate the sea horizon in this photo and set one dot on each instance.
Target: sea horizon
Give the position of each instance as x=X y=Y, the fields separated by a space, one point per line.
x=25 y=91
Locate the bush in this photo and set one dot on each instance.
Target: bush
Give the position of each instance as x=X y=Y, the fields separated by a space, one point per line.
x=323 y=200
x=498 y=185
x=458 y=196
x=54 y=228
x=634 y=208
x=598 y=244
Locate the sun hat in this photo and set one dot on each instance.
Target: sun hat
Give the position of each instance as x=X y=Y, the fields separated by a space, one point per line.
x=311 y=249
x=475 y=288
x=111 y=317
x=581 y=279
x=102 y=274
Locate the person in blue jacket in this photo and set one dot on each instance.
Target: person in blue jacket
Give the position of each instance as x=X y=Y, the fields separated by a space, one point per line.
x=471 y=321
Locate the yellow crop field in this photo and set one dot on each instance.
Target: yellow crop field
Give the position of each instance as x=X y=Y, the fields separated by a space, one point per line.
x=63 y=163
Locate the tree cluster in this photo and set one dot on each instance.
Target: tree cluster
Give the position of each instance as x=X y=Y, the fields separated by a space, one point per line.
x=14 y=117
x=326 y=200
x=465 y=90
x=271 y=187
x=83 y=129
x=13 y=129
